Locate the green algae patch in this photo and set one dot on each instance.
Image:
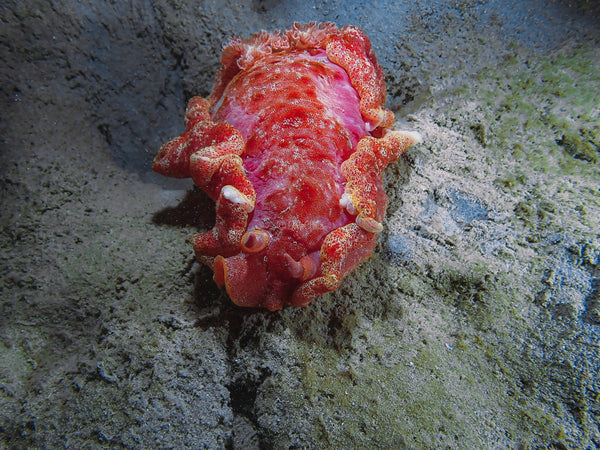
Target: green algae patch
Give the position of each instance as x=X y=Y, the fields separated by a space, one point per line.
x=392 y=396
x=444 y=373
x=584 y=145
x=538 y=119
x=530 y=101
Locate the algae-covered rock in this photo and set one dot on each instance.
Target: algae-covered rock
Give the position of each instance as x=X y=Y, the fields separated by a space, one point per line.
x=583 y=145
x=475 y=325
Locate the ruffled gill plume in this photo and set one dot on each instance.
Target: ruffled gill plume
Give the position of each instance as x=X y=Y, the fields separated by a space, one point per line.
x=310 y=35
x=300 y=37
x=258 y=46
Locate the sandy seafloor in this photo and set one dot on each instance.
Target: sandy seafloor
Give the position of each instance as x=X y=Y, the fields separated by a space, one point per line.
x=476 y=324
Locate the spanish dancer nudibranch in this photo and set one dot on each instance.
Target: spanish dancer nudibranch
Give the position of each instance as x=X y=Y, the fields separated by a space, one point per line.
x=291 y=145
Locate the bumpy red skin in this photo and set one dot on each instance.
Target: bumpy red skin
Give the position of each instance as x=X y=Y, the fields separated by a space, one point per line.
x=291 y=145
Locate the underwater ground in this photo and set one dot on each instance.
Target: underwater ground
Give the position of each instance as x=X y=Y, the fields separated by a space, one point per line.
x=476 y=324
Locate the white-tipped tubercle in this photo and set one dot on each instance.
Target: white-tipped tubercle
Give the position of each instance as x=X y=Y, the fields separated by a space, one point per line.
x=235 y=196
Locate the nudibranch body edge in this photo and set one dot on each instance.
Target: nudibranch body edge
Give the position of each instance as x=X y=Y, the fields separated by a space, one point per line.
x=291 y=146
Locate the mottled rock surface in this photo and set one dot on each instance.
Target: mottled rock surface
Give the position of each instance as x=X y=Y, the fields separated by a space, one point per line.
x=475 y=325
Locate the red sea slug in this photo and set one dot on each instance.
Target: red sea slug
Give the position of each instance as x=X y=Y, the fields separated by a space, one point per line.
x=291 y=145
